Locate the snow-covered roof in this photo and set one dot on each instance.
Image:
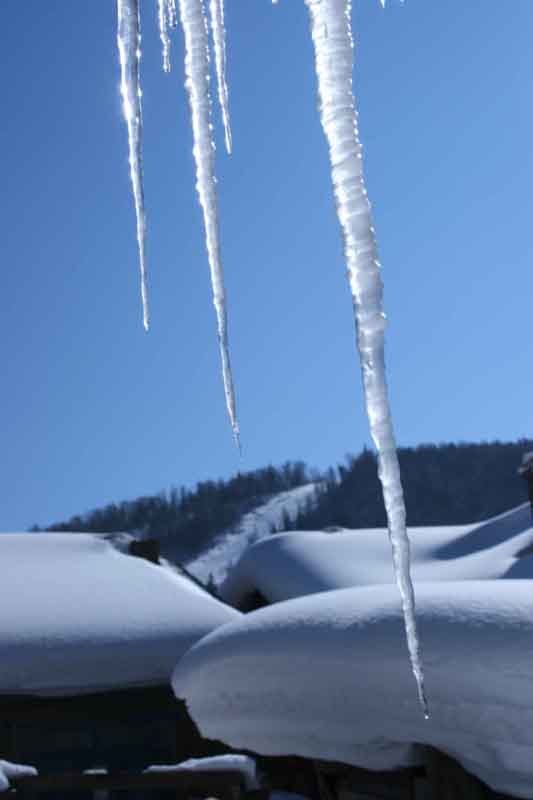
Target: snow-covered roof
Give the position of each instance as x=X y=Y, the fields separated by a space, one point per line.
x=77 y=615
x=289 y=565
x=327 y=676
x=10 y=771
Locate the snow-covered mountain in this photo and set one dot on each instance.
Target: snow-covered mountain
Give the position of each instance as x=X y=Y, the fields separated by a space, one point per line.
x=253 y=526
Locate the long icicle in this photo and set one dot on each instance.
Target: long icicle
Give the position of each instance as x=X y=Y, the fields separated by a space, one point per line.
x=129 y=48
x=333 y=45
x=194 y=23
x=216 y=12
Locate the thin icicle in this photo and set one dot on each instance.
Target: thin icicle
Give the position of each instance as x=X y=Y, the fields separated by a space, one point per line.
x=216 y=11
x=172 y=15
x=333 y=45
x=194 y=23
x=167 y=19
x=129 y=48
x=164 y=21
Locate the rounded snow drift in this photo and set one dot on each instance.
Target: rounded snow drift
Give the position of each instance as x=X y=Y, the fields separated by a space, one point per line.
x=327 y=676
x=77 y=616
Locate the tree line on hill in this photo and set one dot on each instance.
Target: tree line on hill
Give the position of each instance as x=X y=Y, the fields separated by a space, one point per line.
x=445 y=484
x=185 y=521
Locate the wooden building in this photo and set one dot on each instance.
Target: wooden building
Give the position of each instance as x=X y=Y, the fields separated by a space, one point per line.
x=89 y=636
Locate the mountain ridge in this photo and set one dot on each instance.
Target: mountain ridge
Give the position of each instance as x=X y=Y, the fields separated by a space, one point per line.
x=444 y=484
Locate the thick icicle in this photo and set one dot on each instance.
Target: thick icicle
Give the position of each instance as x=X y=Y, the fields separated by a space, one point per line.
x=333 y=45
x=216 y=11
x=194 y=23
x=129 y=48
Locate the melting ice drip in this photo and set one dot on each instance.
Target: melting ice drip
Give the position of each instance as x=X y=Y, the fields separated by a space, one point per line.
x=333 y=45
x=129 y=48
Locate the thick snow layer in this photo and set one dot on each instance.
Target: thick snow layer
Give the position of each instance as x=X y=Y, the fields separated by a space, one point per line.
x=77 y=616
x=228 y=763
x=326 y=676
x=9 y=771
x=293 y=564
x=255 y=525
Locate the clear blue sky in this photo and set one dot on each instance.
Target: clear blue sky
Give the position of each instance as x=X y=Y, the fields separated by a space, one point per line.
x=95 y=410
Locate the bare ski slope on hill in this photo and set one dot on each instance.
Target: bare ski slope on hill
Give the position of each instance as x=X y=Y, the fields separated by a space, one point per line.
x=254 y=525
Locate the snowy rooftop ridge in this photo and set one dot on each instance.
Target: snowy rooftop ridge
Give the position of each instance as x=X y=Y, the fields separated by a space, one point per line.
x=292 y=564
x=99 y=619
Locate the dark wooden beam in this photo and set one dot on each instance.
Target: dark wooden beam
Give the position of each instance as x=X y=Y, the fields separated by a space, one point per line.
x=226 y=784
x=149 y=702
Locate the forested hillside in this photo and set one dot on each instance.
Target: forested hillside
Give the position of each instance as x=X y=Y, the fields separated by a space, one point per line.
x=443 y=484
x=187 y=520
